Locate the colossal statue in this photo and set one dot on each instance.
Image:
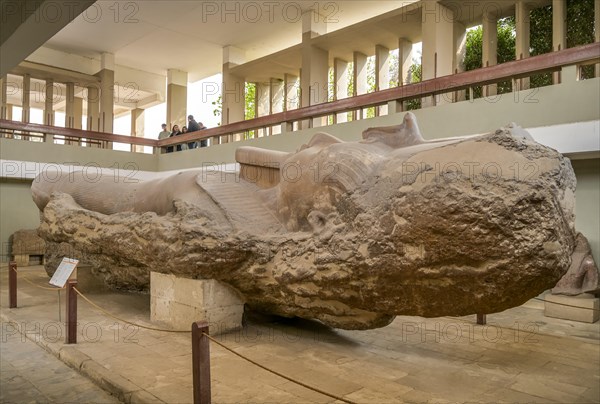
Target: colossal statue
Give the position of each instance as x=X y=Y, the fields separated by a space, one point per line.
x=349 y=233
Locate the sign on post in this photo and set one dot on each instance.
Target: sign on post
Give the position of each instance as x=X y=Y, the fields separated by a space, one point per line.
x=63 y=272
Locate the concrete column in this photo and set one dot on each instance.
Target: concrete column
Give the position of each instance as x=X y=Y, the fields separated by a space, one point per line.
x=3 y=98
x=438 y=44
x=176 y=98
x=77 y=112
x=490 y=47
x=340 y=86
x=460 y=46
x=597 y=29
x=262 y=104
x=382 y=74
x=314 y=75
x=137 y=127
x=359 y=75
x=9 y=112
x=107 y=89
x=49 y=103
x=25 y=104
x=522 y=44
x=277 y=101
x=559 y=30
x=233 y=87
x=404 y=61
x=70 y=105
x=292 y=95
x=93 y=108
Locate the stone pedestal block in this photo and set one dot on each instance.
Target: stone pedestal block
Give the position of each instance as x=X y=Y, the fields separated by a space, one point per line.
x=179 y=302
x=584 y=307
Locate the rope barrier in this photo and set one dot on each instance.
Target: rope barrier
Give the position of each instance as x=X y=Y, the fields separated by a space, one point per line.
x=277 y=373
x=564 y=304
x=108 y=313
x=36 y=285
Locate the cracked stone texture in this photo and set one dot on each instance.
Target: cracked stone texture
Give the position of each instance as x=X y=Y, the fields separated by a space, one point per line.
x=354 y=233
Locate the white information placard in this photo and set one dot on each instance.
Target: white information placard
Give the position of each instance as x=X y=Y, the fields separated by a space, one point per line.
x=63 y=272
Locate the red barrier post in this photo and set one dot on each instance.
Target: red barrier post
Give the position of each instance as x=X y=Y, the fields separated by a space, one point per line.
x=71 y=312
x=201 y=362
x=12 y=284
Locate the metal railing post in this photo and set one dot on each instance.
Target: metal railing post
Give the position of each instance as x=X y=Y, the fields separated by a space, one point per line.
x=201 y=363
x=12 y=284
x=71 y=312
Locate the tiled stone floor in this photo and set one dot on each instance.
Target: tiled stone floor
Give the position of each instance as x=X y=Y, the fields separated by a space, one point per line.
x=520 y=356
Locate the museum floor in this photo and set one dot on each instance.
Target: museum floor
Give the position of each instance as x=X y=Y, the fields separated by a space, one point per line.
x=520 y=356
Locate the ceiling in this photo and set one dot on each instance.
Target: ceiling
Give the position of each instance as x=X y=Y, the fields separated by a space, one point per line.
x=156 y=35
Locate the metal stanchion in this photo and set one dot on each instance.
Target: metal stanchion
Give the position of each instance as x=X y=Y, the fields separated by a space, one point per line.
x=201 y=362
x=481 y=320
x=12 y=284
x=71 y=312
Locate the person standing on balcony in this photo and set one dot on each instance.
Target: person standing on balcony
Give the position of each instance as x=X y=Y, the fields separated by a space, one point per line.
x=192 y=127
x=165 y=134
x=203 y=142
x=176 y=132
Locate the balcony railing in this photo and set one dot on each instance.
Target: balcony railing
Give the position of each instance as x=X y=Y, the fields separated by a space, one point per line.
x=393 y=97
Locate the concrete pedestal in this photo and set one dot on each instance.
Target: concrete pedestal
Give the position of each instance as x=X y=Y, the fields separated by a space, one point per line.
x=584 y=307
x=179 y=302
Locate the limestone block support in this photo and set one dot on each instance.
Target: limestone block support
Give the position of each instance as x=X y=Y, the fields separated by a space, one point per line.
x=382 y=74
x=314 y=74
x=439 y=48
x=93 y=108
x=359 y=75
x=340 y=86
x=181 y=301
x=49 y=103
x=523 y=40
x=25 y=103
x=490 y=47
x=233 y=86
x=176 y=98
x=137 y=127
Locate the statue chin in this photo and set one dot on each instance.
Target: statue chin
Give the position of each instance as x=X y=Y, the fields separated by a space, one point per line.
x=349 y=233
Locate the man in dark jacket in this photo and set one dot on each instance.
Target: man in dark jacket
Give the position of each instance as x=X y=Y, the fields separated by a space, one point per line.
x=192 y=127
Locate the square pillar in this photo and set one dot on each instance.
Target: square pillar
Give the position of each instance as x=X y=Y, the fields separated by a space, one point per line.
x=439 y=48
x=359 y=75
x=233 y=87
x=49 y=103
x=93 y=108
x=107 y=89
x=3 y=99
x=340 y=86
x=404 y=61
x=25 y=103
x=137 y=127
x=559 y=30
x=262 y=104
x=382 y=74
x=77 y=112
x=176 y=98
x=277 y=101
x=522 y=22
x=314 y=74
x=489 y=55
x=70 y=105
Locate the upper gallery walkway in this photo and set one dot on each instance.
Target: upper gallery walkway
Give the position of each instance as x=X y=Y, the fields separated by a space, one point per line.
x=325 y=64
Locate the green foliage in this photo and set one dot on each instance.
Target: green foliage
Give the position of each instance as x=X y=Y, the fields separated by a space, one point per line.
x=416 y=75
x=250 y=108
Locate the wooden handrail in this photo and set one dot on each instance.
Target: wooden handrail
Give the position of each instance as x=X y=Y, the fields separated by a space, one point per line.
x=76 y=133
x=548 y=62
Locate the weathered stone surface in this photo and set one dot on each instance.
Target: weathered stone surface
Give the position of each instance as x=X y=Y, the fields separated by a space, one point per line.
x=354 y=233
x=24 y=243
x=583 y=275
